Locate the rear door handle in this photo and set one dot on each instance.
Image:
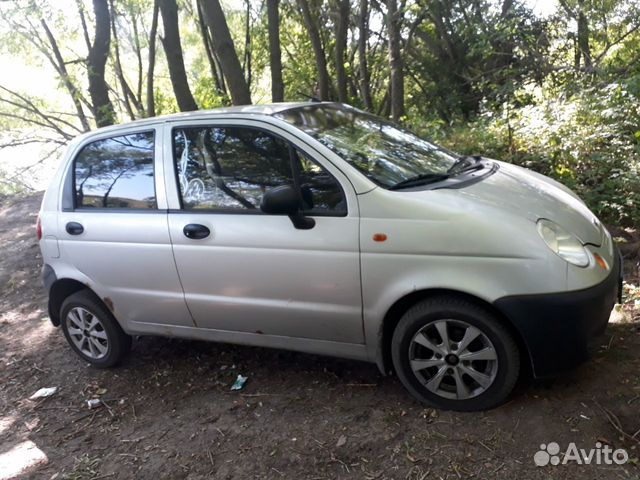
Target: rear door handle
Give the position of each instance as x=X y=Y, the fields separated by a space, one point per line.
x=74 y=228
x=195 y=231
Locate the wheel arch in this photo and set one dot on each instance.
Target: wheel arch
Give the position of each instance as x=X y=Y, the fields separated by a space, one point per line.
x=60 y=290
x=398 y=309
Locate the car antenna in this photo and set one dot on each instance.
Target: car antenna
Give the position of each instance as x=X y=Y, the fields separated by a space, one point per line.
x=311 y=98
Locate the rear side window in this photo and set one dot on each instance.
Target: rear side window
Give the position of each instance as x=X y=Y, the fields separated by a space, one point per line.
x=116 y=172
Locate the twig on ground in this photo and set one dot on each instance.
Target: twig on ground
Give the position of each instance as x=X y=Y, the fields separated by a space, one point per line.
x=108 y=408
x=615 y=423
x=488 y=448
x=262 y=394
x=133 y=440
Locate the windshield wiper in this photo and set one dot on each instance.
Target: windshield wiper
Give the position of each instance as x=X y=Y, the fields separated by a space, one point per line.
x=421 y=179
x=459 y=165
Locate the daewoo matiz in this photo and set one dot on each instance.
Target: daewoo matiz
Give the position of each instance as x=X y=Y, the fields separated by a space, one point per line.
x=320 y=228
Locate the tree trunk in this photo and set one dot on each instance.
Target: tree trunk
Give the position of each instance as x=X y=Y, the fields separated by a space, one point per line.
x=208 y=49
x=129 y=97
x=583 y=49
x=583 y=37
x=138 y=48
x=342 y=27
x=226 y=52
x=275 y=56
x=246 y=66
x=318 y=50
x=395 y=61
x=363 y=31
x=151 y=101
x=175 y=59
x=83 y=22
x=61 y=68
x=102 y=107
x=216 y=61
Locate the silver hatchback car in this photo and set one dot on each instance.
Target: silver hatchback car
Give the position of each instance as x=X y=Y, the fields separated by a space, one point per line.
x=320 y=228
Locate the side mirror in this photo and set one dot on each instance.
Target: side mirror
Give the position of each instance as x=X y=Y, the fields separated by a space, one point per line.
x=284 y=200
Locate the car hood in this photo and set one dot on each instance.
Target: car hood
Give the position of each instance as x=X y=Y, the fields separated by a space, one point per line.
x=535 y=196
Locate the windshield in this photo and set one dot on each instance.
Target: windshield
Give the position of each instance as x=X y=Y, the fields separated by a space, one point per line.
x=386 y=153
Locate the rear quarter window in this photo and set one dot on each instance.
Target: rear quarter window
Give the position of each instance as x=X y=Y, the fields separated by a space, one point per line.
x=116 y=172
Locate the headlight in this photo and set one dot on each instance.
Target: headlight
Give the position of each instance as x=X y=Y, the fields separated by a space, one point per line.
x=563 y=243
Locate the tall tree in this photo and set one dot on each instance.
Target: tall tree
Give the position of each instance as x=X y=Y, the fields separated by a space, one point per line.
x=61 y=69
x=214 y=67
x=583 y=48
x=342 y=28
x=153 y=33
x=226 y=52
x=246 y=65
x=363 y=67
x=396 y=68
x=129 y=98
x=102 y=107
x=318 y=49
x=275 y=55
x=175 y=58
x=138 y=51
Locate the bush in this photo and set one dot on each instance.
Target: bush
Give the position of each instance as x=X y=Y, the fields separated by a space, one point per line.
x=590 y=142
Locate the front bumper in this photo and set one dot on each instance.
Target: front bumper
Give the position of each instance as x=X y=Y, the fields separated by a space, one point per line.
x=558 y=327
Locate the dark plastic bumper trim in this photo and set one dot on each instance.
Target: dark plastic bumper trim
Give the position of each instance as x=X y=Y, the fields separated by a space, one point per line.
x=557 y=328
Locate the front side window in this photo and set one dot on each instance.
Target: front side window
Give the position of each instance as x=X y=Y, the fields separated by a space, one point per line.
x=116 y=172
x=230 y=168
x=320 y=191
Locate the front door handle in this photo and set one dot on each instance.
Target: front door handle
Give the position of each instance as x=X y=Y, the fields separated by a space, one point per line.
x=74 y=228
x=195 y=231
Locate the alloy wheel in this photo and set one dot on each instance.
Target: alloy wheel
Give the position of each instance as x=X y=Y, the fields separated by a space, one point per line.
x=87 y=333
x=453 y=359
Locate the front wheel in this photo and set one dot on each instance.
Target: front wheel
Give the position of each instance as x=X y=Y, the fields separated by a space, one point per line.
x=453 y=354
x=92 y=331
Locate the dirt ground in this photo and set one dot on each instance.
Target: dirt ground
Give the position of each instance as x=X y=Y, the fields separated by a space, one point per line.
x=171 y=414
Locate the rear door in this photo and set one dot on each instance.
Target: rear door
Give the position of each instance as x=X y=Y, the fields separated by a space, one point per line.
x=113 y=228
x=254 y=272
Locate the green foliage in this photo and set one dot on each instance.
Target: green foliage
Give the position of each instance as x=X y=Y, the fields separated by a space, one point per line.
x=299 y=68
x=590 y=142
x=207 y=96
x=165 y=102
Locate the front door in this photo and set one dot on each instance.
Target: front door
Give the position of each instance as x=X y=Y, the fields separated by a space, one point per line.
x=252 y=272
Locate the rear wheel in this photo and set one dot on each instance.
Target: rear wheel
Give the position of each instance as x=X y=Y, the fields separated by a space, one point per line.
x=92 y=331
x=453 y=354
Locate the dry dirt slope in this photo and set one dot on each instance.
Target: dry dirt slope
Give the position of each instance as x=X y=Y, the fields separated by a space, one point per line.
x=171 y=414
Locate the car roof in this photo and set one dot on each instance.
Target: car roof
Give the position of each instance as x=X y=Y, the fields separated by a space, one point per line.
x=262 y=109
x=257 y=110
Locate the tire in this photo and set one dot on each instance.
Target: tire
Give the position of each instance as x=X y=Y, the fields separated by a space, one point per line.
x=100 y=341
x=478 y=369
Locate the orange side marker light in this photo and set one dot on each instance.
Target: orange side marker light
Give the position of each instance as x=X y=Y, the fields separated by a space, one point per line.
x=379 y=237
x=600 y=261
